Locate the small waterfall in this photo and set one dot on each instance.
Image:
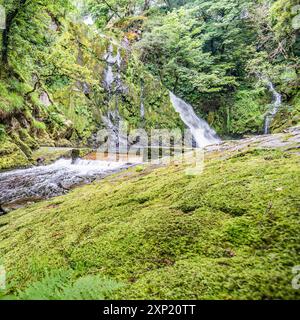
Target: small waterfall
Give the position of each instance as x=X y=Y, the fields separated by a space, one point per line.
x=204 y=135
x=277 y=101
x=88 y=20
x=113 y=125
x=142 y=108
x=109 y=77
x=113 y=84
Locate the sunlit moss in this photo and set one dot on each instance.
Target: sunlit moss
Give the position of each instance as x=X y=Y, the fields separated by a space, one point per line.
x=230 y=233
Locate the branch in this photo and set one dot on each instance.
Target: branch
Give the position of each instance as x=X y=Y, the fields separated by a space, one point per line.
x=111 y=8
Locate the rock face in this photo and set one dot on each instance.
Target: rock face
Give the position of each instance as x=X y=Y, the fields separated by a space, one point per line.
x=44 y=99
x=68 y=109
x=2 y=211
x=288 y=141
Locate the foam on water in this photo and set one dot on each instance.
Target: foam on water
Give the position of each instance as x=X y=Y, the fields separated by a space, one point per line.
x=52 y=180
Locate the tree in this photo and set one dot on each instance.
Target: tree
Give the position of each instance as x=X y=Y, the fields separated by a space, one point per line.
x=199 y=49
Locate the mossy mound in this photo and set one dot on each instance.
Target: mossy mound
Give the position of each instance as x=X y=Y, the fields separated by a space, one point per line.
x=229 y=233
x=11 y=156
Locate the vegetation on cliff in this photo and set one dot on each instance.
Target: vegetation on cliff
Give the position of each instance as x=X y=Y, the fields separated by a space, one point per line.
x=52 y=86
x=216 y=55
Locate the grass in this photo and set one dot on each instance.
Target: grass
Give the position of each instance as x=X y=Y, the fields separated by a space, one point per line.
x=229 y=233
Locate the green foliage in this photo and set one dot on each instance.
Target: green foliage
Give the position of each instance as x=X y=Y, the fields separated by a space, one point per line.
x=206 y=50
x=61 y=285
x=39 y=125
x=2 y=132
x=10 y=101
x=246 y=114
x=11 y=156
x=195 y=50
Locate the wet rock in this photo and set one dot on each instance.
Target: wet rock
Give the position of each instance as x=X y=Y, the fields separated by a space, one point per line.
x=75 y=154
x=44 y=99
x=63 y=143
x=2 y=211
x=274 y=142
x=40 y=161
x=20 y=187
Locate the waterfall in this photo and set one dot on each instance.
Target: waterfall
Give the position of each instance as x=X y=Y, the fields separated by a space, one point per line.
x=277 y=101
x=109 y=77
x=142 y=107
x=88 y=20
x=203 y=134
x=113 y=84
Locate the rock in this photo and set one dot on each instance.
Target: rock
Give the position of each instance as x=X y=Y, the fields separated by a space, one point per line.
x=2 y=211
x=75 y=154
x=63 y=143
x=44 y=99
x=40 y=161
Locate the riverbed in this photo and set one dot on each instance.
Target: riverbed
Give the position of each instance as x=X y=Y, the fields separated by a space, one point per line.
x=24 y=186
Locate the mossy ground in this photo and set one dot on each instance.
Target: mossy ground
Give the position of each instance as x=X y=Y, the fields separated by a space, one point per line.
x=229 y=233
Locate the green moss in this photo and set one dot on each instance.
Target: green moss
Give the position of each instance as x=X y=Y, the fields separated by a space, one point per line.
x=229 y=233
x=50 y=154
x=244 y=114
x=11 y=156
x=288 y=116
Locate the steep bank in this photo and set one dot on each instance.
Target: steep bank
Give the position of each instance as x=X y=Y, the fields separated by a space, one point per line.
x=229 y=233
x=53 y=89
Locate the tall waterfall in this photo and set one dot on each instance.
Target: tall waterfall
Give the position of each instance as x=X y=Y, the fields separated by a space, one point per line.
x=277 y=101
x=113 y=85
x=142 y=106
x=109 y=77
x=203 y=134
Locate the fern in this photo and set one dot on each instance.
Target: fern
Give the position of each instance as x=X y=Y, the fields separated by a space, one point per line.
x=60 y=285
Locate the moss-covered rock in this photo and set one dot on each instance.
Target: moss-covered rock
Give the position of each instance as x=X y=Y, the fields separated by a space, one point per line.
x=228 y=233
x=11 y=156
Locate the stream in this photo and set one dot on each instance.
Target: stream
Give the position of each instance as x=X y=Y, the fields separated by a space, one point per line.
x=19 y=187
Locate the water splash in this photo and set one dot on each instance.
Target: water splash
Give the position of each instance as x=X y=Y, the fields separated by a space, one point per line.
x=204 y=135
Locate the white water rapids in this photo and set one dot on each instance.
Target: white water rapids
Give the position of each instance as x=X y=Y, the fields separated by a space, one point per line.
x=44 y=182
